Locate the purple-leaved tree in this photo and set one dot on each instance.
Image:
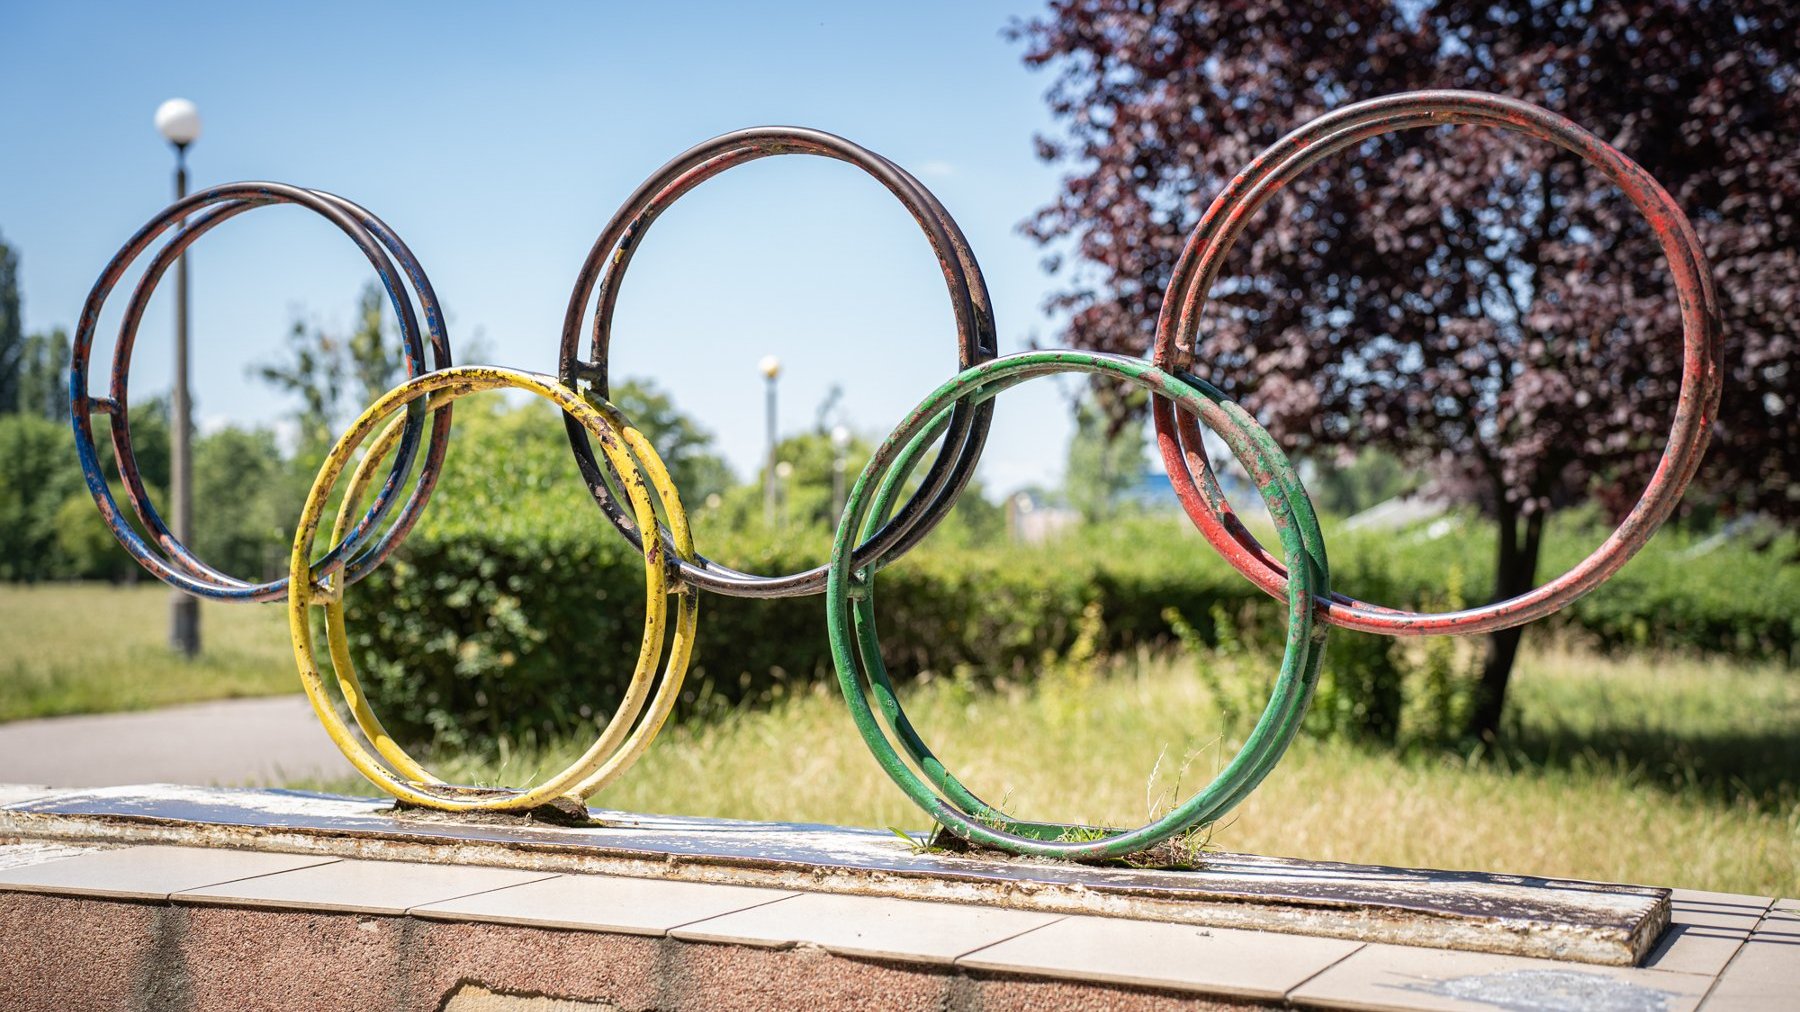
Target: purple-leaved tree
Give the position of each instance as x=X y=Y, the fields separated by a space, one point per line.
x=1472 y=300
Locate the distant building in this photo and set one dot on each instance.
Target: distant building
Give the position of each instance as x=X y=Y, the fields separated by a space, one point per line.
x=1154 y=493
x=1400 y=511
x=1032 y=518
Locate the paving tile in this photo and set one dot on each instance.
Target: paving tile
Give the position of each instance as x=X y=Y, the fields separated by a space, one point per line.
x=1716 y=910
x=364 y=887
x=1705 y=932
x=634 y=906
x=1764 y=975
x=151 y=873
x=1403 y=977
x=1736 y=901
x=906 y=930
x=1690 y=948
x=1222 y=961
x=1711 y=917
x=1780 y=921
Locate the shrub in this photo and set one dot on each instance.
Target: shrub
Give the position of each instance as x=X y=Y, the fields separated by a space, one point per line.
x=483 y=629
x=514 y=609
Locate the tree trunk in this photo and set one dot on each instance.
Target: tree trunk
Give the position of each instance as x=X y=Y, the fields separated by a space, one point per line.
x=1515 y=572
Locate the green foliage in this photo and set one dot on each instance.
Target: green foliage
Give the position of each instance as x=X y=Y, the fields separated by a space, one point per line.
x=321 y=368
x=150 y=433
x=312 y=370
x=85 y=548
x=1356 y=482
x=12 y=329
x=44 y=376
x=247 y=500
x=1360 y=691
x=1105 y=459
x=808 y=497
x=35 y=478
x=376 y=359
x=685 y=448
x=514 y=609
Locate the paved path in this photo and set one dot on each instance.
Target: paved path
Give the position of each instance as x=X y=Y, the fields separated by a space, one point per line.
x=237 y=741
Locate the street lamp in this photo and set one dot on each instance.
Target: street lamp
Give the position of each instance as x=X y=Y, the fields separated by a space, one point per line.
x=771 y=370
x=784 y=472
x=179 y=123
x=840 y=445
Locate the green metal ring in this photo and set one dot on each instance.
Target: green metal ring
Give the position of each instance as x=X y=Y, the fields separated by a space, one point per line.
x=856 y=648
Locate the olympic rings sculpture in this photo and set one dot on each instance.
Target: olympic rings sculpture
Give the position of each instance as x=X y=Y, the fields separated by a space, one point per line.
x=629 y=482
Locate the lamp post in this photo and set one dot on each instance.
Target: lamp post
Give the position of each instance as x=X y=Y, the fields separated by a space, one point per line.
x=771 y=370
x=784 y=473
x=840 y=445
x=179 y=123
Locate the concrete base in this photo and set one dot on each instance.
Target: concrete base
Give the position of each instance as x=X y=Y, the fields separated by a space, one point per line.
x=1503 y=914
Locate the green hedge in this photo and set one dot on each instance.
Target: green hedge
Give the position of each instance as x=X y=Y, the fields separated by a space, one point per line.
x=530 y=624
x=514 y=608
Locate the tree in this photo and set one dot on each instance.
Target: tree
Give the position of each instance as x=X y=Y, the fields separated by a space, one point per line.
x=85 y=549
x=36 y=476
x=12 y=330
x=319 y=365
x=685 y=447
x=1105 y=459
x=250 y=502
x=377 y=360
x=1348 y=483
x=44 y=376
x=1460 y=297
x=314 y=372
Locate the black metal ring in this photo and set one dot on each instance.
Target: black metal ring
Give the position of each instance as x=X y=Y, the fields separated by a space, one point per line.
x=611 y=255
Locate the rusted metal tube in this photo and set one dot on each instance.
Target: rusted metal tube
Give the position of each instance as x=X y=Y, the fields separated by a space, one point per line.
x=170 y=560
x=625 y=737
x=1226 y=219
x=973 y=313
x=856 y=647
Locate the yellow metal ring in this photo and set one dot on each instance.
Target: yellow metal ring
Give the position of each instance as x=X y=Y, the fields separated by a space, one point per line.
x=619 y=744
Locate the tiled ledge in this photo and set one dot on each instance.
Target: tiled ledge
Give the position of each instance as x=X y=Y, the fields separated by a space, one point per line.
x=1500 y=914
x=159 y=927
x=171 y=927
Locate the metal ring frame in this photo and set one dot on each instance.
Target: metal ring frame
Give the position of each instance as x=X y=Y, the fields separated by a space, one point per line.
x=879 y=524
x=1204 y=257
x=618 y=745
x=855 y=645
x=176 y=564
x=974 y=315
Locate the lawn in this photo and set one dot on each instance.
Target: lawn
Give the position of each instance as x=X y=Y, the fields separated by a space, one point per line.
x=1653 y=770
x=92 y=648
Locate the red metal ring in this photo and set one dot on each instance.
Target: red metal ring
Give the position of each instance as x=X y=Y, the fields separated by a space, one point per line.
x=1178 y=439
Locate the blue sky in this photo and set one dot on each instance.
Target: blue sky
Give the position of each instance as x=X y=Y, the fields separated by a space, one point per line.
x=498 y=144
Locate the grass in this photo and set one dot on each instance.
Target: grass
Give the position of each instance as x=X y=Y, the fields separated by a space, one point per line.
x=1648 y=769
x=88 y=648
x=1636 y=769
